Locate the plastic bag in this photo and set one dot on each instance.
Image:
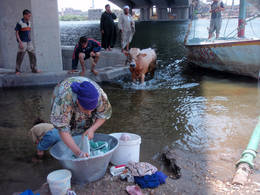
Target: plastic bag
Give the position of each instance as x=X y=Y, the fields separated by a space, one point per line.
x=125 y=137
x=84 y=145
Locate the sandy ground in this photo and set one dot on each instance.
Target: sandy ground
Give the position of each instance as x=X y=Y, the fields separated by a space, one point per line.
x=202 y=173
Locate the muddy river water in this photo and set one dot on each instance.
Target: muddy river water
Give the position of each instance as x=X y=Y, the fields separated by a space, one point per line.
x=207 y=116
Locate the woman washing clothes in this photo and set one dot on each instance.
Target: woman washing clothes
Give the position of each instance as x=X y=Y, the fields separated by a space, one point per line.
x=79 y=106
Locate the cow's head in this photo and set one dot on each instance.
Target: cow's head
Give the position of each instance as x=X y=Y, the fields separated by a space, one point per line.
x=134 y=57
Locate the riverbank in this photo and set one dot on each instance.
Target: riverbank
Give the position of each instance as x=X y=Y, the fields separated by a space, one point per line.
x=110 y=67
x=198 y=176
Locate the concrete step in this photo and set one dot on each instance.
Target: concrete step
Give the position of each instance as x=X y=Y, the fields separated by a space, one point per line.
x=9 y=79
x=107 y=58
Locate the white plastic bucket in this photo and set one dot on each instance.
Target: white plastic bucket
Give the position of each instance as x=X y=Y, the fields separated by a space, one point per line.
x=59 y=181
x=128 y=150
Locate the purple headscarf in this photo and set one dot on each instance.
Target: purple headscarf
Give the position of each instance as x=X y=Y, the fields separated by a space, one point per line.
x=87 y=94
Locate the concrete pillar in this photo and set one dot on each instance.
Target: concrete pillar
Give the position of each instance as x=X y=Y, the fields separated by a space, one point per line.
x=185 y=13
x=162 y=14
x=181 y=13
x=45 y=33
x=145 y=14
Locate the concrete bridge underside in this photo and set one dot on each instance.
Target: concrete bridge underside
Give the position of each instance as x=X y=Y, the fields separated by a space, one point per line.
x=165 y=9
x=45 y=29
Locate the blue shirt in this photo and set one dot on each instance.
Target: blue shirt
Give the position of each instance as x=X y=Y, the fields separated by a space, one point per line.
x=214 y=6
x=92 y=45
x=24 y=30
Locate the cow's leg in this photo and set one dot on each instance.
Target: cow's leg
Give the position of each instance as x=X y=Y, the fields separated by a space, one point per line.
x=133 y=74
x=133 y=77
x=142 y=78
x=152 y=68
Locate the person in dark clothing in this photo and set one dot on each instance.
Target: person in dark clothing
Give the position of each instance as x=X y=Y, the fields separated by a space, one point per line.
x=108 y=28
x=84 y=49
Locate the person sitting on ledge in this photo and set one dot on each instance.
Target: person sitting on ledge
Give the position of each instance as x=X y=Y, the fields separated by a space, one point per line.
x=44 y=135
x=84 y=49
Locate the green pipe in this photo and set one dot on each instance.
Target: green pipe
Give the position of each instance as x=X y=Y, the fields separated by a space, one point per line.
x=249 y=154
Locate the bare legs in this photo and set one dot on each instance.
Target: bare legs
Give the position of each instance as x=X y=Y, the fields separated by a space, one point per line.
x=108 y=49
x=82 y=63
x=94 y=61
x=211 y=34
x=127 y=47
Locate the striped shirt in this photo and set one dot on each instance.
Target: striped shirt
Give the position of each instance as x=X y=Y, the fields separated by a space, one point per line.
x=24 y=30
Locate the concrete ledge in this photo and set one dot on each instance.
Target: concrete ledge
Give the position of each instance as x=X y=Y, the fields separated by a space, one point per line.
x=110 y=66
x=107 y=58
x=107 y=74
x=165 y=20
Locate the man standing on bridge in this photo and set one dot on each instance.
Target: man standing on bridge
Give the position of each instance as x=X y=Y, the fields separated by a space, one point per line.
x=126 y=26
x=107 y=28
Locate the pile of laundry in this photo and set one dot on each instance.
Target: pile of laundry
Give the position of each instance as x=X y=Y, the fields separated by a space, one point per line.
x=92 y=148
x=142 y=173
x=146 y=175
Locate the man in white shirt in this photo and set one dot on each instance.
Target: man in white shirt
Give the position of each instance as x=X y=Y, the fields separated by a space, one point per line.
x=126 y=26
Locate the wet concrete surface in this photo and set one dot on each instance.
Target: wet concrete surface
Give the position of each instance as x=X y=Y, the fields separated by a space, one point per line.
x=110 y=66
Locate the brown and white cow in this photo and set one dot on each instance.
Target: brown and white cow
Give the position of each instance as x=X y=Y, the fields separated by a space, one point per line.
x=141 y=62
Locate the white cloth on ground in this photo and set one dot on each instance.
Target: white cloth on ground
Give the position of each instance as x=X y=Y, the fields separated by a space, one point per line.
x=141 y=169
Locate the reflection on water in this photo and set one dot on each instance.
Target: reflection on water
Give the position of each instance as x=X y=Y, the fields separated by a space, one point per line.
x=197 y=109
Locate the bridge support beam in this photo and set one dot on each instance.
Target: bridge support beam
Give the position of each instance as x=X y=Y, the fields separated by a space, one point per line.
x=45 y=33
x=145 y=14
x=162 y=13
x=181 y=12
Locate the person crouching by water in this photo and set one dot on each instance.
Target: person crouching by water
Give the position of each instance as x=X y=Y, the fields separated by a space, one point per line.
x=79 y=107
x=84 y=49
x=44 y=135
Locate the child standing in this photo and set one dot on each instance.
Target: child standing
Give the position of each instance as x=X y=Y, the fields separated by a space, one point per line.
x=23 y=37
